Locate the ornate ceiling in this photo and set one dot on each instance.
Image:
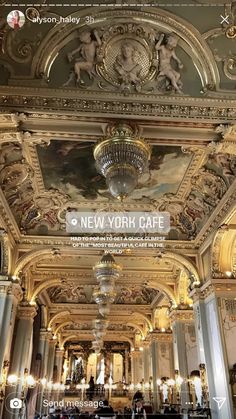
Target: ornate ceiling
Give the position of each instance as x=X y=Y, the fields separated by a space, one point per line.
x=169 y=72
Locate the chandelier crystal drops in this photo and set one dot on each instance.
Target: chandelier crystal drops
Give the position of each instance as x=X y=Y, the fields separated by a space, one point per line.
x=122 y=158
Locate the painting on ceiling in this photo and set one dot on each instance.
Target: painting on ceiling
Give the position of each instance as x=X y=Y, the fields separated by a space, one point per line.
x=70 y=167
x=135 y=295
x=70 y=293
x=68 y=177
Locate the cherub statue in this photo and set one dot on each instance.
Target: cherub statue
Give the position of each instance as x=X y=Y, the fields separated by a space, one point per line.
x=87 y=55
x=166 y=53
x=126 y=65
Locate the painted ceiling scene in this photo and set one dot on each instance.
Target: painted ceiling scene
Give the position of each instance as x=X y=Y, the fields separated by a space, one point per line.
x=84 y=295
x=41 y=184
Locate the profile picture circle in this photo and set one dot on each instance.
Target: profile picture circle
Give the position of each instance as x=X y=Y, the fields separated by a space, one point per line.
x=16 y=19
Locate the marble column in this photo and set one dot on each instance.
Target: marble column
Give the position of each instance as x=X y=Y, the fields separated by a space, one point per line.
x=58 y=362
x=146 y=361
x=155 y=368
x=51 y=357
x=136 y=372
x=43 y=351
x=59 y=356
x=10 y=295
x=212 y=347
x=21 y=358
x=179 y=318
x=126 y=366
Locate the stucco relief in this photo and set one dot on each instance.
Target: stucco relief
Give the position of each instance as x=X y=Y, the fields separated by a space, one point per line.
x=128 y=57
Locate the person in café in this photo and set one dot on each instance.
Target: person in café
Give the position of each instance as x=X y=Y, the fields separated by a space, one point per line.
x=139 y=411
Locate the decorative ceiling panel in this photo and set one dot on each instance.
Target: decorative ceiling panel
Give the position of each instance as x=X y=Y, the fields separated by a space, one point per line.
x=41 y=183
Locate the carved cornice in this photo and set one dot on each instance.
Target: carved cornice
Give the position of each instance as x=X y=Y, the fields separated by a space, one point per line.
x=215 y=287
x=174 y=107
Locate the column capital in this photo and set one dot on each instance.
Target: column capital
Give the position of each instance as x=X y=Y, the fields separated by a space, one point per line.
x=60 y=352
x=157 y=336
x=146 y=342
x=52 y=342
x=135 y=353
x=45 y=334
x=26 y=312
x=220 y=287
x=4 y=278
x=7 y=287
x=181 y=315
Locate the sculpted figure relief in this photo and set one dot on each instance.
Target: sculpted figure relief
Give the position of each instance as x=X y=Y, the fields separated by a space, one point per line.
x=87 y=55
x=127 y=66
x=166 y=54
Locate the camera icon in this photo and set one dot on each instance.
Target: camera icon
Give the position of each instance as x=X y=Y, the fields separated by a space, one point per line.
x=15 y=403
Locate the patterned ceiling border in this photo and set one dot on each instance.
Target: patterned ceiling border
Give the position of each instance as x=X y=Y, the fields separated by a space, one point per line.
x=61 y=100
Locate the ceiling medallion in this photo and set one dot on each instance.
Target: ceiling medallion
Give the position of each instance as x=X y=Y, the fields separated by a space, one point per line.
x=122 y=158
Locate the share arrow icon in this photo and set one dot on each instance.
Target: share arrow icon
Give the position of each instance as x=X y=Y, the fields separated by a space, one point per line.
x=220 y=401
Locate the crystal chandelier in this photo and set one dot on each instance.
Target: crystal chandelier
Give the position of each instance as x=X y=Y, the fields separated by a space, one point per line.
x=106 y=272
x=100 y=323
x=122 y=158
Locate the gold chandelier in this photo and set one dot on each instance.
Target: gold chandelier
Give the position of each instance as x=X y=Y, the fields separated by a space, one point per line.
x=122 y=158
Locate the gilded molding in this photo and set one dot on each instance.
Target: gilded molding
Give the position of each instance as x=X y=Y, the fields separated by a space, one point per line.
x=138 y=105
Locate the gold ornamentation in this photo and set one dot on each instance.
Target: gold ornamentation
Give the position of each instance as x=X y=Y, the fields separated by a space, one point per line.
x=231 y=32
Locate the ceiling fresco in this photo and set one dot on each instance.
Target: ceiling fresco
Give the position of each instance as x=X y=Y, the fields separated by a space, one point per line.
x=70 y=293
x=88 y=326
x=41 y=183
x=70 y=167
